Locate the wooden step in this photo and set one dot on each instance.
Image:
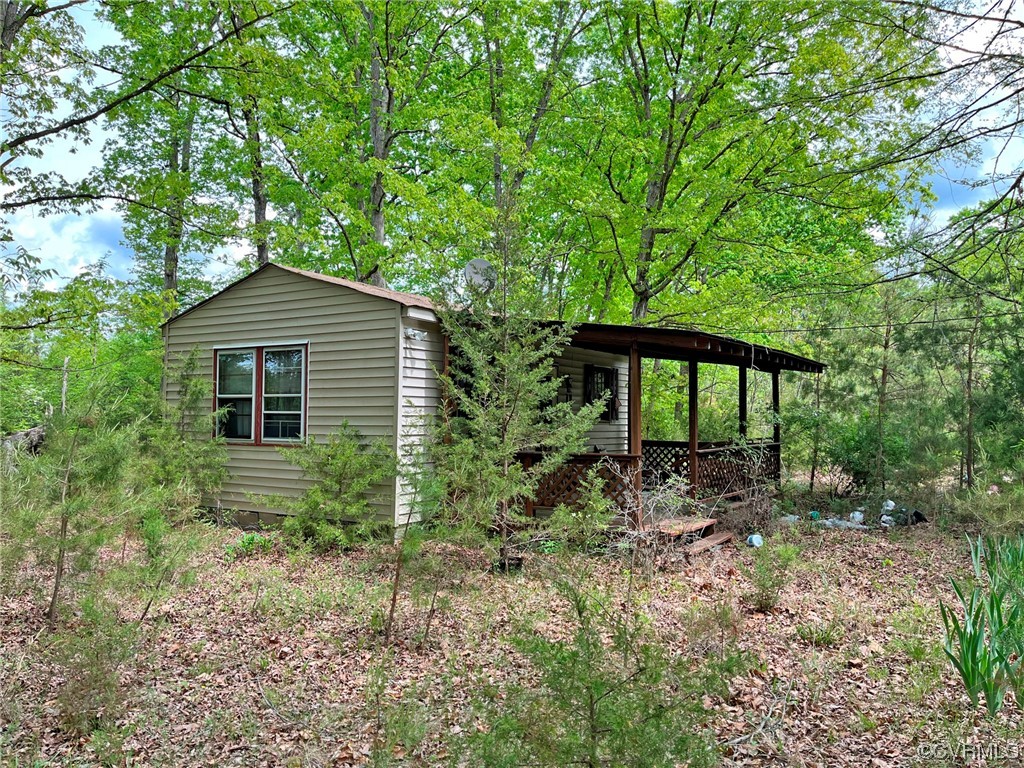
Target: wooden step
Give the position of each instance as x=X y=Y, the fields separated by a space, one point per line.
x=709 y=542
x=687 y=526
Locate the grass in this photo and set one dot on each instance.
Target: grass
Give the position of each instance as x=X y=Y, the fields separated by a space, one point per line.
x=821 y=634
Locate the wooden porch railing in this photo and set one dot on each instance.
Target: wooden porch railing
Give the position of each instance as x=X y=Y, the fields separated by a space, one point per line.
x=723 y=468
x=620 y=472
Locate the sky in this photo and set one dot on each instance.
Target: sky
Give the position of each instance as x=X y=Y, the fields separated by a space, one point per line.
x=69 y=243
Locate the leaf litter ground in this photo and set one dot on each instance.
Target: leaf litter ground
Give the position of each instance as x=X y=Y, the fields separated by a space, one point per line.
x=279 y=660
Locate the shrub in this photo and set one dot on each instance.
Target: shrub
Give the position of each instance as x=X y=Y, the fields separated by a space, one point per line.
x=503 y=398
x=584 y=523
x=70 y=497
x=594 y=703
x=92 y=656
x=770 y=572
x=1001 y=513
x=180 y=461
x=344 y=471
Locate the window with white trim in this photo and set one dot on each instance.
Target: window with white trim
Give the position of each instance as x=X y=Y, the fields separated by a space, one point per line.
x=262 y=392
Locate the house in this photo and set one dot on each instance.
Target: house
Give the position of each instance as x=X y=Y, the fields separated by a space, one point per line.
x=293 y=353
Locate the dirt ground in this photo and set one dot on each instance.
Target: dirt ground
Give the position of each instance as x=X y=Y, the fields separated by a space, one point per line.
x=279 y=660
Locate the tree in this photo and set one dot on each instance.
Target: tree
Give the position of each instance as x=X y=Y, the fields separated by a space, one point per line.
x=47 y=69
x=502 y=401
x=702 y=116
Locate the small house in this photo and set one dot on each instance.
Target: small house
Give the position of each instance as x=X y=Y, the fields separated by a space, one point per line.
x=292 y=353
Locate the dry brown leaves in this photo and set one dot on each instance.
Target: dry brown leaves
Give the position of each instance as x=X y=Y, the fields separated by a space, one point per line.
x=273 y=661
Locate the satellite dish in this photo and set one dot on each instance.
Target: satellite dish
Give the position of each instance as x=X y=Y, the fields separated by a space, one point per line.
x=481 y=274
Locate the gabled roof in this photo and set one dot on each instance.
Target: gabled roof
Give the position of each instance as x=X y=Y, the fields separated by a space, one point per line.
x=405 y=299
x=650 y=341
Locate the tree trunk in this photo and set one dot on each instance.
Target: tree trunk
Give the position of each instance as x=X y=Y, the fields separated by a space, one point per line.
x=883 y=384
x=180 y=167
x=380 y=109
x=969 y=458
x=817 y=429
x=259 y=189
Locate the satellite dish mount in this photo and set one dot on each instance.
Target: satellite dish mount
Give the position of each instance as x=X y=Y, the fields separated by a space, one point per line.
x=481 y=274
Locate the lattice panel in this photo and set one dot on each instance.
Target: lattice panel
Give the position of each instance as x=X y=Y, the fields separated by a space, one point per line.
x=721 y=473
x=564 y=486
x=662 y=459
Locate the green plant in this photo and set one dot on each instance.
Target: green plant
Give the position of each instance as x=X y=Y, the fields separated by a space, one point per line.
x=1001 y=513
x=986 y=648
x=584 y=523
x=248 y=544
x=92 y=656
x=821 y=635
x=608 y=695
x=400 y=724
x=502 y=398
x=179 y=461
x=71 y=499
x=344 y=472
x=974 y=646
x=770 y=572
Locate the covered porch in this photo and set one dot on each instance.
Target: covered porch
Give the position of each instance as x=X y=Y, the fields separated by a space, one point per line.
x=629 y=463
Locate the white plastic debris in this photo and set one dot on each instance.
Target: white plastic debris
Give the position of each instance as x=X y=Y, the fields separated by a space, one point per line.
x=789 y=520
x=857 y=516
x=886 y=521
x=888 y=505
x=834 y=523
x=755 y=540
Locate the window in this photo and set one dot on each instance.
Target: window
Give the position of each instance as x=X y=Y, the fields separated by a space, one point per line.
x=236 y=390
x=600 y=383
x=262 y=390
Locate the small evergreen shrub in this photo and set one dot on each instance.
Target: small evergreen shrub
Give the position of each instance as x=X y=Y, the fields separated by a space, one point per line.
x=92 y=657
x=609 y=695
x=770 y=572
x=344 y=471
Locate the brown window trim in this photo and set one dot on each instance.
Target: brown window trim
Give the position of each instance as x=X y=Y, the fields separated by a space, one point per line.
x=258 y=350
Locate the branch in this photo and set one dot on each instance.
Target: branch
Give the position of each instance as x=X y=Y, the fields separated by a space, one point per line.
x=149 y=85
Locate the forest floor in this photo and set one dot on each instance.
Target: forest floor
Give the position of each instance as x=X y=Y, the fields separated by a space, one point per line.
x=278 y=660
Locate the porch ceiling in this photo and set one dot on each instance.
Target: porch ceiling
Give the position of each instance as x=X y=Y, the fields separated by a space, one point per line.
x=679 y=344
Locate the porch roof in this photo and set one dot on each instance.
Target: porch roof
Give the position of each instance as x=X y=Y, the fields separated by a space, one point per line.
x=682 y=344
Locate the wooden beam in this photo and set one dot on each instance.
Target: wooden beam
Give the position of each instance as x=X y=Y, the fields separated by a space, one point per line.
x=776 y=424
x=692 y=370
x=743 y=401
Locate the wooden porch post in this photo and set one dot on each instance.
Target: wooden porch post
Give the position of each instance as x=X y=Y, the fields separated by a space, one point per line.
x=635 y=429
x=692 y=370
x=743 y=401
x=776 y=425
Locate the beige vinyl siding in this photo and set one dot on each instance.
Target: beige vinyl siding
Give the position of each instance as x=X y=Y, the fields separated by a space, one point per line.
x=351 y=367
x=612 y=437
x=422 y=346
